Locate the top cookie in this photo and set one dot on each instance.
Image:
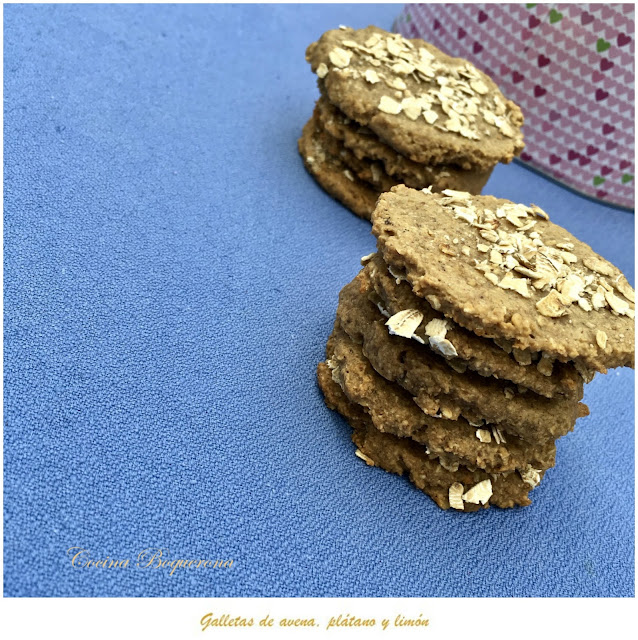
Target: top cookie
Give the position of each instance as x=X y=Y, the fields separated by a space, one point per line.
x=429 y=106
x=504 y=271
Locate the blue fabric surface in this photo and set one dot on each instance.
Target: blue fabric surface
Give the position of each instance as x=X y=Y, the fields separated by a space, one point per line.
x=171 y=278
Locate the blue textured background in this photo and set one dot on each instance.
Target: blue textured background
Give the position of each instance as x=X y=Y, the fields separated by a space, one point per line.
x=171 y=277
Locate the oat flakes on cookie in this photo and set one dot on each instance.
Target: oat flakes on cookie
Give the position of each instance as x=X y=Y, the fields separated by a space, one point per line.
x=478 y=489
x=505 y=272
x=463 y=349
x=409 y=112
x=365 y=145
x=438 y=389
x=393 y=410
x=460 y=350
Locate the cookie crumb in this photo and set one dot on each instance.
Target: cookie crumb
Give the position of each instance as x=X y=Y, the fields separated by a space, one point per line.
x=545 y=365
x=452 y=467
x=523 y=358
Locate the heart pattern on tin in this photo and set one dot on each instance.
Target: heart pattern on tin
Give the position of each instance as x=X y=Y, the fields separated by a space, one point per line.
x=568 y=64
x=533 y=22
x=539 y=91
x=602 y=45
x=543 y=61
x=623 y=39
x=555 y=16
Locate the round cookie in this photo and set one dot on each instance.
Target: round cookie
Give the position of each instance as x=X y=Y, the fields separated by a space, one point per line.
x=504 y=271
x=402 y=455
x=365 y=145
x=366 y=170
x=478 y=354
x=430 y=107
x=333 y=176
x=393 y=410
x=440 y=390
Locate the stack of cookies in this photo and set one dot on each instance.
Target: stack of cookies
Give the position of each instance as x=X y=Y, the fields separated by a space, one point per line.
x=460 y=351
x=398 y=111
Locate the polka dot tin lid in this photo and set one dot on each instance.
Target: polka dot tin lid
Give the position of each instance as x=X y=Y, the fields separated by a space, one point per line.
x=570 y=67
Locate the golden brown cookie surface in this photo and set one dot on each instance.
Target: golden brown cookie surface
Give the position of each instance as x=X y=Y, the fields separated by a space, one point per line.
x=462 y=348
x=430 y=107
x=453 y=442
x=438 y=389
x=402 y=455
x=504 y=271
x=333 y=176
